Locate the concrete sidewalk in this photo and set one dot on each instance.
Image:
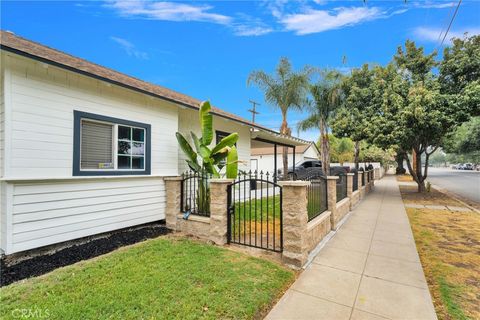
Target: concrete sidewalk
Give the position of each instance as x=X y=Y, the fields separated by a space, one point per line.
x=370 y=269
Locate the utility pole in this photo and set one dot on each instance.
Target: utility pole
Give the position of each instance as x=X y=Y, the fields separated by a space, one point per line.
x=254 y=109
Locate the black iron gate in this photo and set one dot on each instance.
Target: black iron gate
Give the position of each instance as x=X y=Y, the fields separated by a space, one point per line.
x=255 y=211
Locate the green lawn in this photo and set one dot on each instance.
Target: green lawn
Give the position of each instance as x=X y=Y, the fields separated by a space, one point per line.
x=159 y=278
x=258 y=209
x=253 y=218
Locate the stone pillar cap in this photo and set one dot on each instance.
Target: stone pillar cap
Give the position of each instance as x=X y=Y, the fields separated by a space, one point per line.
x=174 y=178
x=297 y=183
x=350 y=174
x=333 y=177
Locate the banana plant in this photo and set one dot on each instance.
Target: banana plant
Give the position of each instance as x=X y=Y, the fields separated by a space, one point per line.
x=212 y=160
x=224 y=154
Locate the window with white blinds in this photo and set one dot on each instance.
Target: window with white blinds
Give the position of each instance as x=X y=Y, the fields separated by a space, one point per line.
x=106 y=146
x=97 y=145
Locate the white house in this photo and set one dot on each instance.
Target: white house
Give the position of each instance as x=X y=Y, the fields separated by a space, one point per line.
x=84 y=149
x=263 y=158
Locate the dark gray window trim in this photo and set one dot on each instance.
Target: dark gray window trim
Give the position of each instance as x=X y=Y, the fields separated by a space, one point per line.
x=78 y=116
x=219 y=135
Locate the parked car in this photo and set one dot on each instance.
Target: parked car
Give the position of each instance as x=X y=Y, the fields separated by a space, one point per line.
x=302 y=169
x=468 y=166
x=459 y=166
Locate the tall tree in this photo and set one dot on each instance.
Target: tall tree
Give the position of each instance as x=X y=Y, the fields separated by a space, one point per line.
x=413 y=114
x=286 y=90
x=341 y=149
x=353 y=117
x=326 y=98
x=460 y=74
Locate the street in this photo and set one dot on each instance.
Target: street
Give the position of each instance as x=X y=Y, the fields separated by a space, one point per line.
x=465 y=183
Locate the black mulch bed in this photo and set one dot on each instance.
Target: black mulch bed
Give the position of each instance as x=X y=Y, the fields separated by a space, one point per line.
x=42 y=264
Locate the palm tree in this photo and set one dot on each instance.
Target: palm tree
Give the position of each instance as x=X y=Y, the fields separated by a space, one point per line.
x=326 y=99
x=285 y=90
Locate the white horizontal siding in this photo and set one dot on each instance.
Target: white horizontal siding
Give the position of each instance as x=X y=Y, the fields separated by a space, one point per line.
x=46 y=213
x=188 y=121
x=3 y=218
x=311 y=153
x=41 y=111
x=266 y=163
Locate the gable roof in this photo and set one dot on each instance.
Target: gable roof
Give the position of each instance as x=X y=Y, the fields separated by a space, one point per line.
x=13 y=43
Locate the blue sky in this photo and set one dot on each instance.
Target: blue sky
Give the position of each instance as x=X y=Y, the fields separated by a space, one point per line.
x=207 y=48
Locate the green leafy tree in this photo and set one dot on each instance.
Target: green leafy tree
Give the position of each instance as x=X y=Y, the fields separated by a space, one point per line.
x=460 y=75
x=341 y=149
x=326 y=98
x=286 y=90
x=413 y=114
x=372 y=153
x=353 y=117
x=438 y=158
x=465 y=139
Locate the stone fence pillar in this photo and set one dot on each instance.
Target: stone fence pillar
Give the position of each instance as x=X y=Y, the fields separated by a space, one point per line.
x=173 y=187
x=360 y=188
x=332 y=198
x=350 y=177
x=218 y=210
x=295 y=220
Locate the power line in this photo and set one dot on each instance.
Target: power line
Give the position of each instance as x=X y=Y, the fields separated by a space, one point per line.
x=451 y=22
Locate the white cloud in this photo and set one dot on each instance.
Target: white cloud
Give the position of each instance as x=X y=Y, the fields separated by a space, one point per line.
x=433 y=34
x=433 y=5
x=247 y=25
x=168 y=11
x=129 y=48
x=313 y=21
x=248 y=30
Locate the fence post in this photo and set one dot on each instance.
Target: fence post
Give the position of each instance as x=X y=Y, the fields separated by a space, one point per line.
x=218 y=210
x=360 y=187
x=295 y=220
x=350 y=177
x=173 y=192
x=332 y=198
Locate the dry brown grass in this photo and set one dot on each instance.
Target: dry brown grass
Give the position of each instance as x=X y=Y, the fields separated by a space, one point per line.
x=404 y=178
x=434 y=197
x=449 y=247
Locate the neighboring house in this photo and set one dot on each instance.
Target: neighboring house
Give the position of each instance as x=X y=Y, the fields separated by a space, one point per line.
x=84 y=149
x=263 y=158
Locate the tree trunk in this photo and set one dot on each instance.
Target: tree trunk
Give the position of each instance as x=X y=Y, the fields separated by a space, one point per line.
x=284 y=130
x=399 y=158
x=417 y=172
x=325 y=148
x=357 y=153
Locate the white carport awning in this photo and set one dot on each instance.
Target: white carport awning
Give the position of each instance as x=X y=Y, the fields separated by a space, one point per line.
x=276 y=138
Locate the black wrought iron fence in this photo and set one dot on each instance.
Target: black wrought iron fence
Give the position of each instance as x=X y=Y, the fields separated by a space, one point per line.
x=341 y=187
x=255 y=211
x=317 y=194
x=363 y=177
x=195 y=193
